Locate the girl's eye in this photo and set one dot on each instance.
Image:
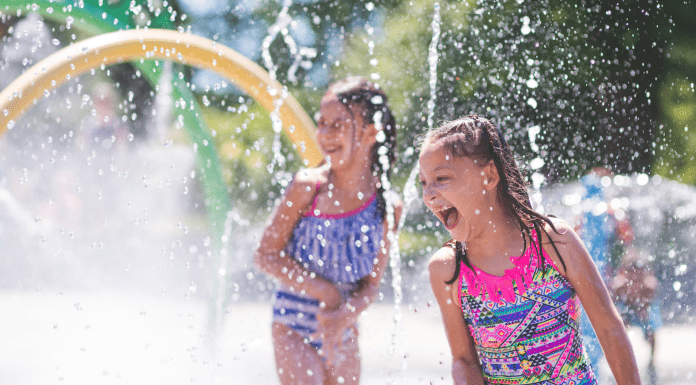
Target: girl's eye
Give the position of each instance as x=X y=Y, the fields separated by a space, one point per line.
x=422 y=183
x=442 y=178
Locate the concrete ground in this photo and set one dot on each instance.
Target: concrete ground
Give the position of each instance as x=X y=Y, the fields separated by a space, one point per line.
x=131 y=338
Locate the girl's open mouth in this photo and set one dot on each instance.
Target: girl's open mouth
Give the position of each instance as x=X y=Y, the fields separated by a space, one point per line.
x=450 y=217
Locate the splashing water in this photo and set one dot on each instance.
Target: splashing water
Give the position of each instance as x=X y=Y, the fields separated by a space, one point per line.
x=433 y=58
x=537 y=178
x=300 y=53
x=411 y=192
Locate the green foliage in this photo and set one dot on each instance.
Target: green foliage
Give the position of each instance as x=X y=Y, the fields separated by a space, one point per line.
x=676 y=142
x=244 y=140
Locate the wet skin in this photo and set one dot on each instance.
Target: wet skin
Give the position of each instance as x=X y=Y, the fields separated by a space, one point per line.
x=346 y=182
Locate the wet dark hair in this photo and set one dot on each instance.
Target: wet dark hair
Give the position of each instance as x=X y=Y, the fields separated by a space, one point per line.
x=479 y=139
x=370 y=100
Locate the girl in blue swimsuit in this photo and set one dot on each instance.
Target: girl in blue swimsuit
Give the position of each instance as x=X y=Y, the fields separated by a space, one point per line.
x=327 y=242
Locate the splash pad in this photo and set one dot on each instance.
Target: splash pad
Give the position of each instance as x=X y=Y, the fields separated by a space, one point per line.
x=158 y=44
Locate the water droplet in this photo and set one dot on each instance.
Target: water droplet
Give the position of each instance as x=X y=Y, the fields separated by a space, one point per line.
x=10 y=124
x=55 y=42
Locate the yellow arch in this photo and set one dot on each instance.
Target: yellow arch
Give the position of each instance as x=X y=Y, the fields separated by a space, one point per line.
x=128 y=45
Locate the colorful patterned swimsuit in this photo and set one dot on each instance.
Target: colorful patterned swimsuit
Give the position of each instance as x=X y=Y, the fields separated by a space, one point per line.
x=341 y=248
x=526 y=324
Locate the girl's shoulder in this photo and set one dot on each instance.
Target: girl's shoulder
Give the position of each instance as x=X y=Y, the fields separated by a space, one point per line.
x=563 y=244
x=560 y=233
x=312 y=176
x=304 y=185
x=443 y=264
x=309 y=179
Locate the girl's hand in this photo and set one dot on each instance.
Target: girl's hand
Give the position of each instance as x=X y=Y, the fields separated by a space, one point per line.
x=328 y=295
x=333 y=324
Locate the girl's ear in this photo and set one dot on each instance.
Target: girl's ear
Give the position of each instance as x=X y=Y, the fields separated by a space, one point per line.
x=369 y=135
x=490 y=176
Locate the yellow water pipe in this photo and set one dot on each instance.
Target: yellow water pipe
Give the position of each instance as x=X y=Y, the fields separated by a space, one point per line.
x=152 y=44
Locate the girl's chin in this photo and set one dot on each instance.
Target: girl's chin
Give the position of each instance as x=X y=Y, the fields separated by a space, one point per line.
x=457 y=234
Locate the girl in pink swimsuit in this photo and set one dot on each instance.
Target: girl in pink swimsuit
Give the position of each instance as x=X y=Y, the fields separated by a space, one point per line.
x=511 y=281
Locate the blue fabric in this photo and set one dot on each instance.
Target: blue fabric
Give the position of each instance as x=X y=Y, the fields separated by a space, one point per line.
x=340 y=248
x=596 y=235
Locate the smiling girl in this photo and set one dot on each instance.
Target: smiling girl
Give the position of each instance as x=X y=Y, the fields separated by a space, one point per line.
x=511 y=281
x=327 y=242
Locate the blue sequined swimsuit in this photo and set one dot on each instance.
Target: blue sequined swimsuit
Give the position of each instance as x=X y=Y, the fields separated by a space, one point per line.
x=340 y=248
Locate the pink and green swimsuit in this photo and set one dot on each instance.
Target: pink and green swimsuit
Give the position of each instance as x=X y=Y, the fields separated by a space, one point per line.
x=526 y=324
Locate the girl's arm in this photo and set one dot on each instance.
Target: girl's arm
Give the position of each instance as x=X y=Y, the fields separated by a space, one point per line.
x=466 y=367
x=369 y=286
x=334 y=321
x=269 y=258
x=583 y=274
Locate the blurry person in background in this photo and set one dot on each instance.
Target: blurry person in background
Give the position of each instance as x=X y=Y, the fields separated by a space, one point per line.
x=603 y=231
x=103 y=130
x=634 y=286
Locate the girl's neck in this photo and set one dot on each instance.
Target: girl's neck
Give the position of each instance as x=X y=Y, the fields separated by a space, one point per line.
x=353 y=179
x=498 y=239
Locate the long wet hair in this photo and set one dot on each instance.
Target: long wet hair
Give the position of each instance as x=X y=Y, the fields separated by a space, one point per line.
x=479 y=139
x=372 y=103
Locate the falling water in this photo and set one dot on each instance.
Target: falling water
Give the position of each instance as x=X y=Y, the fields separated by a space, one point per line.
x=410 y=190
x=433 y=58
x=537 y=178
x=163 y=104
x=222 y=271
x=281 y=25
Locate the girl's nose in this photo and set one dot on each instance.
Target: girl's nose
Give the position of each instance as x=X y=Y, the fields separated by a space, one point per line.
x=428 y=195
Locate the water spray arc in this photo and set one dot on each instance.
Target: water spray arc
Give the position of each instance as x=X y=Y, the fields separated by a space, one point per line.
x=155 y=44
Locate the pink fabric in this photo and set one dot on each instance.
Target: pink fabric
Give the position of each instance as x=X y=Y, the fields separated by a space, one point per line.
x=310 y=213
x=499 y=288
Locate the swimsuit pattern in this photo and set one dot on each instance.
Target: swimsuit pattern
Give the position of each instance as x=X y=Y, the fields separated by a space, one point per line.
x=341 y=248
x=526 y=324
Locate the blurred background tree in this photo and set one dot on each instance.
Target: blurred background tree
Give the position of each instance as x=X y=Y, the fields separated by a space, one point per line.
x=607 y=83
x=595 y=83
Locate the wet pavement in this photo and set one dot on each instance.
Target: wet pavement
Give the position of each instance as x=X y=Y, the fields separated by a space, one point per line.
x=131 y=338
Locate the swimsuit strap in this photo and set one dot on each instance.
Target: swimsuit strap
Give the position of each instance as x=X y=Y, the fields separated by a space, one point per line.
x=314 y=200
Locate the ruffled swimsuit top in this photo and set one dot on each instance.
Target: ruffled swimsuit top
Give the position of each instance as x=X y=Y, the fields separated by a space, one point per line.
x=525 y=324
x=341 y=248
